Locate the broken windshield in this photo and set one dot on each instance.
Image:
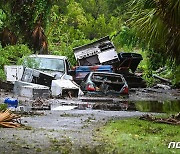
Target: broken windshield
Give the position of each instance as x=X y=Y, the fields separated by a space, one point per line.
x=42 y=63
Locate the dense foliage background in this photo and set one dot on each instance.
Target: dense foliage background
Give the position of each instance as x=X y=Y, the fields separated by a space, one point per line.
x=149 y=27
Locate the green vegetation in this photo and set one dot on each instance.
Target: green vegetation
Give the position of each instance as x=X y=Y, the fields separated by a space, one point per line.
x=3 y=107
x=63 y=146
x=138 y=136
x=12 y=55
x=56 y=27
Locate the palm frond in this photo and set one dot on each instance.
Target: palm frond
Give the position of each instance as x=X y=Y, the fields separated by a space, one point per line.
x=158 y=23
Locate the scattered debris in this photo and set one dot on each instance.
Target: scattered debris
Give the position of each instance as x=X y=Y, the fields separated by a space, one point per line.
x=9 y=120
x=11 y=102
x=40 y=104
x=31 y=90
x=165 y=87
x=161 y=69
x=29 y=113
x=65 y=88
x=174 y=119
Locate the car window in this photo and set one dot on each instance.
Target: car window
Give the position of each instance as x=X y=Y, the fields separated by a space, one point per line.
x=47 y=64
x=106 y=77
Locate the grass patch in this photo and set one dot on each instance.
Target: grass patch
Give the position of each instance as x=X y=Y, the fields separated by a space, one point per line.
x=3 y=107
x=63 y=146
x=138 y=136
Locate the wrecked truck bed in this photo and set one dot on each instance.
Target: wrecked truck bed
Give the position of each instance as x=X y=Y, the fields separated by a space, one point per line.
x=104 y=83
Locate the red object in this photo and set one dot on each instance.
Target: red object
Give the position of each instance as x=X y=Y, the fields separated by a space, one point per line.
x=90 y=87
x=125 y=90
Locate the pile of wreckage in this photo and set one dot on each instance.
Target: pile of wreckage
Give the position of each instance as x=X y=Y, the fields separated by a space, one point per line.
x=99 y=56
x=33 y=83
x=102 y=56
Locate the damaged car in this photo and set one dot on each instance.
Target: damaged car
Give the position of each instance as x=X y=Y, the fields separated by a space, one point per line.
x=104 y=83
x=59 y=68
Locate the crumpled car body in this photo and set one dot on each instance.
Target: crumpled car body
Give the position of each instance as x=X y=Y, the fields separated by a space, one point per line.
x=103 y=83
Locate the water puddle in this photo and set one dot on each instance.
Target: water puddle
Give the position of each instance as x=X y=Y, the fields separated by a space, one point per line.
x=63 y=108
x=143 y=106
x=158 y=106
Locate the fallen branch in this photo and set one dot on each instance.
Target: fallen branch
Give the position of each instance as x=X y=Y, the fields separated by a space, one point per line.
x=9 y=120
x=162 y=79
x=173 y=120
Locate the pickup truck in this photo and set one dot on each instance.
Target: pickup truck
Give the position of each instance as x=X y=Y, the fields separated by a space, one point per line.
x=58 y=66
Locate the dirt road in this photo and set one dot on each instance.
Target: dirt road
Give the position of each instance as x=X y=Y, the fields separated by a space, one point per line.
x=65 y=131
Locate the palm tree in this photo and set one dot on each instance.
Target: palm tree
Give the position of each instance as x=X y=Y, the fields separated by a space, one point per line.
x=27 y=20
x=158 y=23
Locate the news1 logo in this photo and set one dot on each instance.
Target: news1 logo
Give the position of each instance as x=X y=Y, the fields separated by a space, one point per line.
x=174 y=145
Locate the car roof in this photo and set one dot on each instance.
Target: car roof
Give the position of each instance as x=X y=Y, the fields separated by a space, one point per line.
x=49 y=56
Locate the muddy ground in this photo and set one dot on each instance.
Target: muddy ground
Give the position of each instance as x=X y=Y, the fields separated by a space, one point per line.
x=64 y=131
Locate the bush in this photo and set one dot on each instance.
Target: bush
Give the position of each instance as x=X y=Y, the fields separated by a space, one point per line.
x=12 y=55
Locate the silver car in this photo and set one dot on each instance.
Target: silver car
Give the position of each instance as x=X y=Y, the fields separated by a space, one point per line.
x=104 y=83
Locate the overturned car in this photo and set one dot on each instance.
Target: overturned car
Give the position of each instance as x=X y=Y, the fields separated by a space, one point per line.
x=104 y=83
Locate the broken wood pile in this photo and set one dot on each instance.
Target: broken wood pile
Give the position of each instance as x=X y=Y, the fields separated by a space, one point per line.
x=40 y=104
x=173 y=119
x=9 y=120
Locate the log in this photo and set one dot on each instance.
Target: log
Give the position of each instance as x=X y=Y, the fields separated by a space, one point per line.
x=162 y=79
